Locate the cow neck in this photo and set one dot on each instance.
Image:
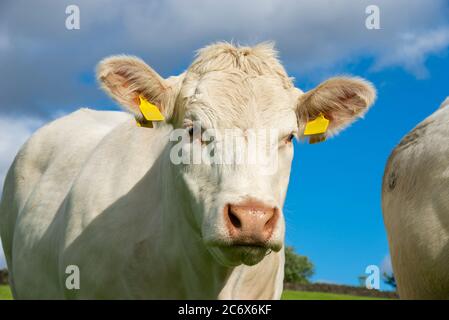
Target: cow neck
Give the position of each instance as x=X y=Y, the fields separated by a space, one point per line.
x=184 y=234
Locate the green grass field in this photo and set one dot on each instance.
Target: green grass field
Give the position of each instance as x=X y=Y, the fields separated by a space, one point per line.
x=5 y=294
x=305 y=295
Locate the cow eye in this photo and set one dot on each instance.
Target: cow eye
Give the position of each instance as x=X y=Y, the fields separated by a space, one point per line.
x=191 y=134
x=190 y=130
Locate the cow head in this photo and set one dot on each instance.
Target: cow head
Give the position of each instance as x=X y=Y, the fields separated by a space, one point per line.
x=230 y=104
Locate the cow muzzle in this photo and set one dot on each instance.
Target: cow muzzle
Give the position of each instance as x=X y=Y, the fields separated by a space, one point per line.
x=250 y=223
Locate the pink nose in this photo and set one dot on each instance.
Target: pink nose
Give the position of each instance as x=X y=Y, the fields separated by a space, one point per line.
x=250 y=222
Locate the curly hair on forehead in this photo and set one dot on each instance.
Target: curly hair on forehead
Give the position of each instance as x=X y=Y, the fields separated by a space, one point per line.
x=261 y=59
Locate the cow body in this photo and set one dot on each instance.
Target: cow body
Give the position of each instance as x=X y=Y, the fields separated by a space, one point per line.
x=63 y=218
x=415 y=203
x=96 y=192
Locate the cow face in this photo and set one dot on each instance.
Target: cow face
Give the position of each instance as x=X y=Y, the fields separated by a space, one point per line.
x=235 y=113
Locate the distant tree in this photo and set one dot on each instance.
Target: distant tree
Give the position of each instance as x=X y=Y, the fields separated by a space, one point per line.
x=389 y=279
x=298 y=269
x=3 y=276
x=362 y=280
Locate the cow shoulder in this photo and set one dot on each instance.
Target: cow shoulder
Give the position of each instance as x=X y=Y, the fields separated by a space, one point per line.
x=64 y=143
x=421 y=151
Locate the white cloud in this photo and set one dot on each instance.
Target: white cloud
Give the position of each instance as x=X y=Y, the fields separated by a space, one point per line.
x=4 y=42
x=413 y=49
x=42 y=67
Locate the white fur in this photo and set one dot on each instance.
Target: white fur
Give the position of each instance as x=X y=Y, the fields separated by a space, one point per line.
x=415 y=203
x=94 y=190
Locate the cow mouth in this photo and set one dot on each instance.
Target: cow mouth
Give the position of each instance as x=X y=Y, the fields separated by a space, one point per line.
x=233 y=254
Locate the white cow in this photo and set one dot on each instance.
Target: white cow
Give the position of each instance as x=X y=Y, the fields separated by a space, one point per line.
x=95 y=191
x=415 y=203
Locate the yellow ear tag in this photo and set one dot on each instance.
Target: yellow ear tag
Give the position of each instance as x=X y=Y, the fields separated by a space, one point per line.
x=316 y=126
x=149 y=111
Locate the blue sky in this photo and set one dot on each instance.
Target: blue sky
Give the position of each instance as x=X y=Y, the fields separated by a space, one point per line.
x=333 y=209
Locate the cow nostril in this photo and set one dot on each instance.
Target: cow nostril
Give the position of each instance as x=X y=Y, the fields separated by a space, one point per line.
x=271 y=221
x=235 y=221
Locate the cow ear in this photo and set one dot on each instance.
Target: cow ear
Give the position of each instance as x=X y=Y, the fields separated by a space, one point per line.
x=125 y=78
x=341 y=100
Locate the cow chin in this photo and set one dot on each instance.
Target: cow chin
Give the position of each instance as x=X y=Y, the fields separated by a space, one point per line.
x=231 y=256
